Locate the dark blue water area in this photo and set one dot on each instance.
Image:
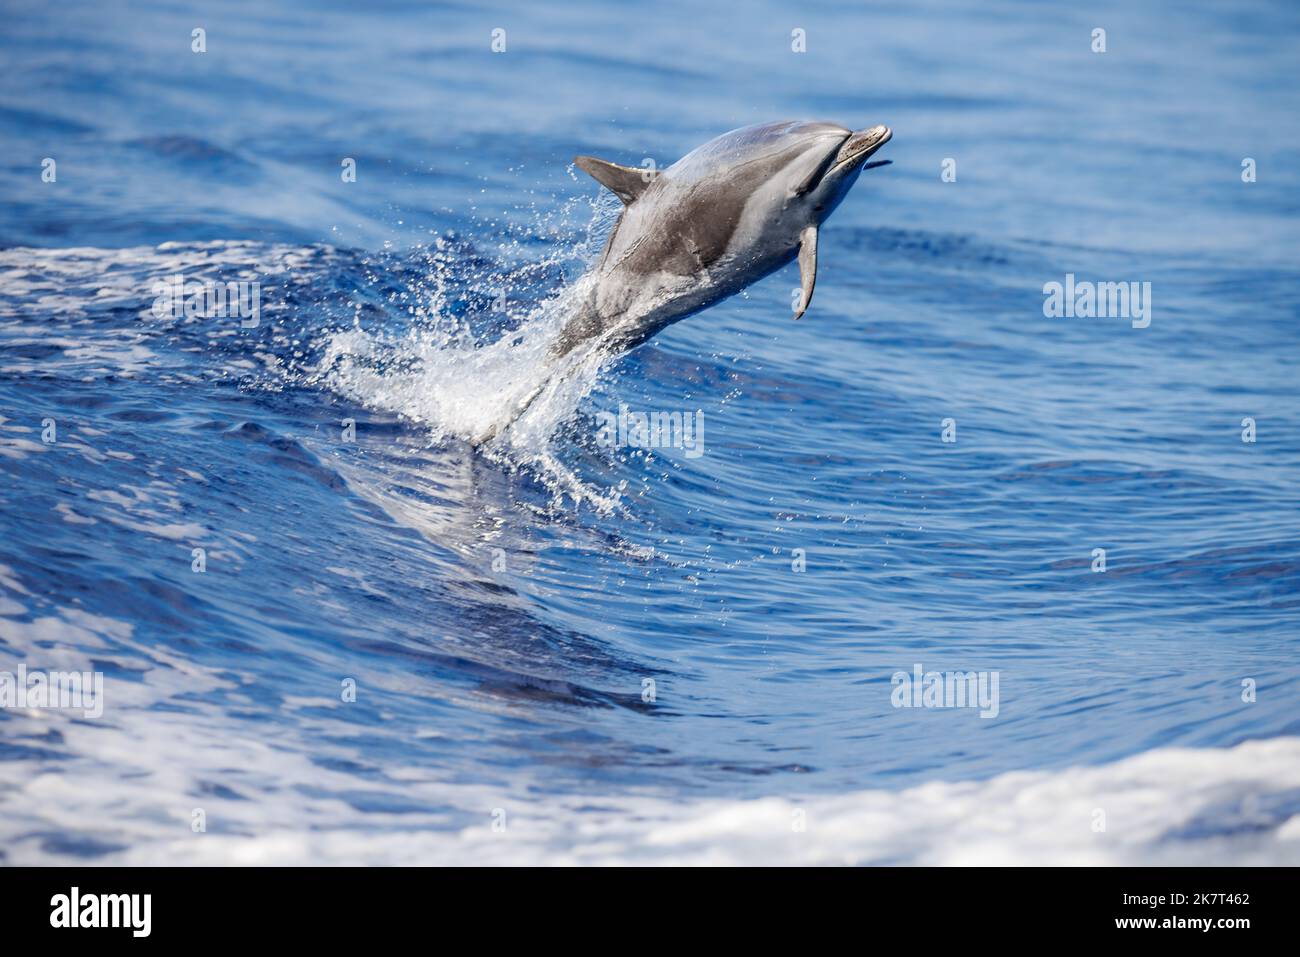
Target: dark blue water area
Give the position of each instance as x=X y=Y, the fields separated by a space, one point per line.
x=502 y=635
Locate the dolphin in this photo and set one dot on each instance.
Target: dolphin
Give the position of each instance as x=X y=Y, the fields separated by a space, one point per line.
x=722 y=217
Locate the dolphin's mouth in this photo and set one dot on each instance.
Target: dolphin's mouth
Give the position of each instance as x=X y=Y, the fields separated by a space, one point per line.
x=860 y=145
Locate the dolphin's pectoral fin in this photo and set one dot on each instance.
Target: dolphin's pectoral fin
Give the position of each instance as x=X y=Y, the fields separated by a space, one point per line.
x=807 y=268
x=623 y=181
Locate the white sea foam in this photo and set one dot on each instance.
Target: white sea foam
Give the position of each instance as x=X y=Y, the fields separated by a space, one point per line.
x=1169 y=806
x=127 y=788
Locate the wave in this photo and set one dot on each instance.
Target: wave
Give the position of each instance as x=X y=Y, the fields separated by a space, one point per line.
x=442 y=336
x=1170 y=806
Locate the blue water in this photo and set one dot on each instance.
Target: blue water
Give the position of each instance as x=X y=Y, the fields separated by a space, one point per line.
x=500 y=612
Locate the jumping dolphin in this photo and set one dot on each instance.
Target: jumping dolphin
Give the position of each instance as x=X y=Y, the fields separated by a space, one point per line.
x=722 y=217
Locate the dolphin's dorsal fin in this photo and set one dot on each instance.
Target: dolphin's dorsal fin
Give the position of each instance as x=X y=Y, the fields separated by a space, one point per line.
x=807 y=268
x=623 y=181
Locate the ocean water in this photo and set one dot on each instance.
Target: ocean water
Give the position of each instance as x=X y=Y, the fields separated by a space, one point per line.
x=562 y=651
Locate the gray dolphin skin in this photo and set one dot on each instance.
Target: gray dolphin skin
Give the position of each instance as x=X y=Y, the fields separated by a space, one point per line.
x=722 y=217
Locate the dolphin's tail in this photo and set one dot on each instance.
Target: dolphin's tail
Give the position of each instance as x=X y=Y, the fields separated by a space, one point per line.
x=584 y=326
x=583 y=329
x=496 y=428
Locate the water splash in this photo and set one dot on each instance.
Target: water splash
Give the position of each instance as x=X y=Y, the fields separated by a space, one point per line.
x=436 y=374
x=484 y=376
